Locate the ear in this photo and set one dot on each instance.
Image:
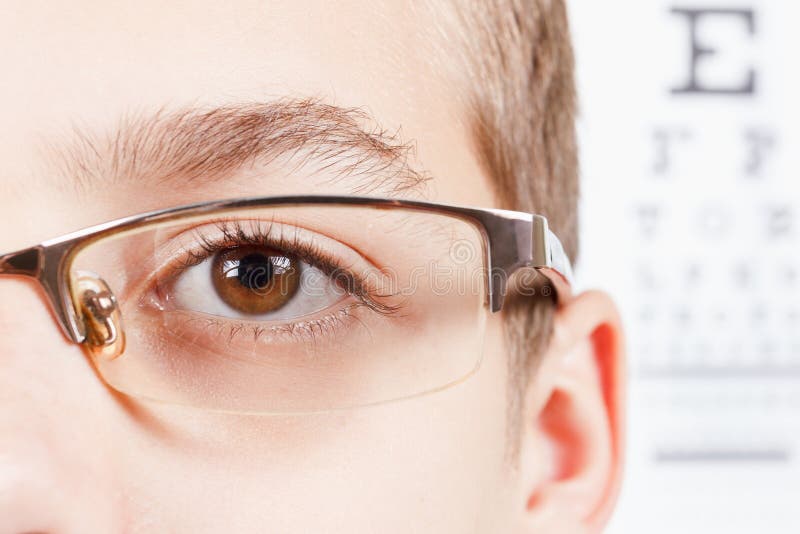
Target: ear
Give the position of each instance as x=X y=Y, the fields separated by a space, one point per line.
x=571 y=451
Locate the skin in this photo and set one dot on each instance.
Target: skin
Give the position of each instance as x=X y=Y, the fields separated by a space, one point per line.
x=76 y=456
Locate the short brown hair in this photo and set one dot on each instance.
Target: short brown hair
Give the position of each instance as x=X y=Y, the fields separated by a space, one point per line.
x=521 y=108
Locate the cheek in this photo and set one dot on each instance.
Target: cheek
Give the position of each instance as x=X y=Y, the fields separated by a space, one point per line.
x=432 y=464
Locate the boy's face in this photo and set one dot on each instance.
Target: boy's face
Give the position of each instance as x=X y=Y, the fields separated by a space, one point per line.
x=77 y=457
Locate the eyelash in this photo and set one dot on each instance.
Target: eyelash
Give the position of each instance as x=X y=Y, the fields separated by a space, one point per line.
x=234 y=234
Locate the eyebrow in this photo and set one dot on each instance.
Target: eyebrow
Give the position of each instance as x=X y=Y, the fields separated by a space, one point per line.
x=194 y=144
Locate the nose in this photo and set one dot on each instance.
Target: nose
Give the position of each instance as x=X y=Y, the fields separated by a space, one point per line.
x=53 y=470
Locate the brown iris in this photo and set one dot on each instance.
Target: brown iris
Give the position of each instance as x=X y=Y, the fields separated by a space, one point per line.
x=255 y=279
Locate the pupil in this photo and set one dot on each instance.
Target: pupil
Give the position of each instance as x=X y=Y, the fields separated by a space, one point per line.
x=255 y=271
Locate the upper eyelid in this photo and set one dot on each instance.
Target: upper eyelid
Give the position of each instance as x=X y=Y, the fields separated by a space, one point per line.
x=235 y=232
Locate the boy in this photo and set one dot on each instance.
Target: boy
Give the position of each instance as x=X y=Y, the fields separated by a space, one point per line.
x=113 y=110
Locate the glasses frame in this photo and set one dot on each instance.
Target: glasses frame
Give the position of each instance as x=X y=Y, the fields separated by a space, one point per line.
x=512 y=240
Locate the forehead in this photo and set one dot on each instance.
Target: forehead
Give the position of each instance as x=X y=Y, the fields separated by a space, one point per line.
x=90 y=63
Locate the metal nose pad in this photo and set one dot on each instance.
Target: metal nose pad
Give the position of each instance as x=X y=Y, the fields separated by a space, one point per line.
x=99 y=310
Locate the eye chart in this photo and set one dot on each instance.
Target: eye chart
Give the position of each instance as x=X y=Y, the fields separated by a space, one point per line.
x=690 y=151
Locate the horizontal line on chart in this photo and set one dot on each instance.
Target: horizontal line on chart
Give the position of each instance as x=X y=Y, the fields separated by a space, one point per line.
x=720 y=372
x=722 y=456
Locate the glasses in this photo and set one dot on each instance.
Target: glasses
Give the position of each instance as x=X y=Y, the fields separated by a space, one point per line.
x=290 y=304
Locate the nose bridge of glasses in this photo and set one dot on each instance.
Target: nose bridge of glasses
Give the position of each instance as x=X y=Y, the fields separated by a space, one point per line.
x=42 y=263
x=27 y=262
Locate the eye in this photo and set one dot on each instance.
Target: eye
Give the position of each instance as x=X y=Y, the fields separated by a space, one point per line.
x=255 y=280
x=264 y=273
x=260 y=283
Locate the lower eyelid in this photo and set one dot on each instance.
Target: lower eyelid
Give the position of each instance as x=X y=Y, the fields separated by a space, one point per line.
x=193 y=326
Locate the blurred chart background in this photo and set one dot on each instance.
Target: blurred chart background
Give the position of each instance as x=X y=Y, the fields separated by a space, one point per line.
x=690 y=140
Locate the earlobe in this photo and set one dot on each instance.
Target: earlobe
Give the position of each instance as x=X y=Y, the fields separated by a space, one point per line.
x=574 y=406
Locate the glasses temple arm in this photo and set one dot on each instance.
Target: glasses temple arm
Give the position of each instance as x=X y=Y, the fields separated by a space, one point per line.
x=519 y=240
